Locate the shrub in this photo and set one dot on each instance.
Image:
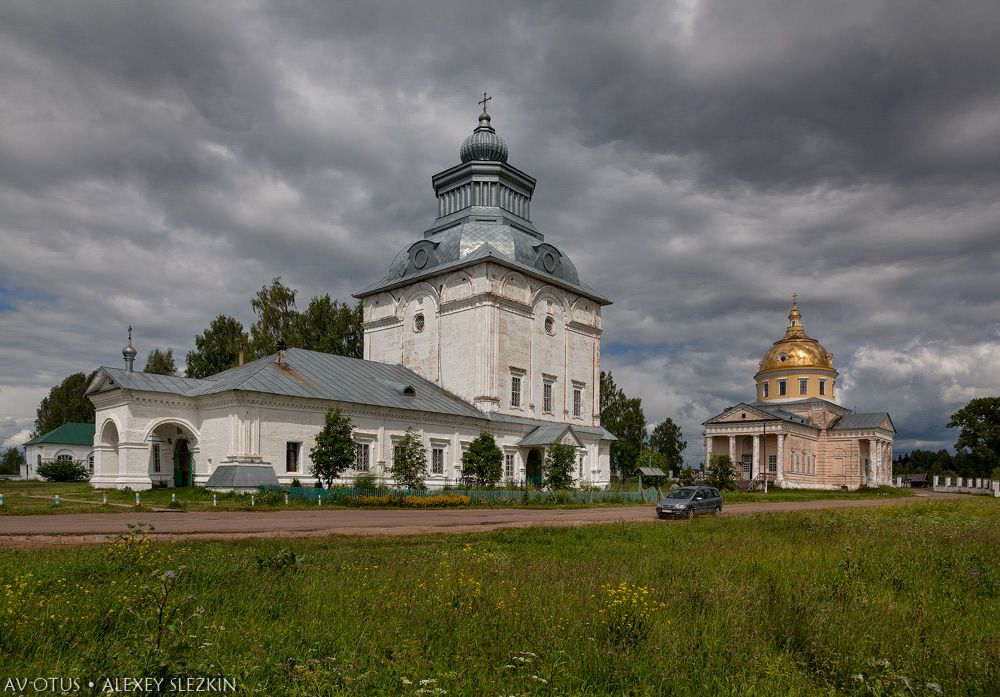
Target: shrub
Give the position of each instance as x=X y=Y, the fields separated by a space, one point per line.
x=441 y=501
x=558 y=466
x=365 y=480
x=64 y=471
x=483 y=461
x=685 y=477
x=409 y=461
x=296 y=484
x=721 y=473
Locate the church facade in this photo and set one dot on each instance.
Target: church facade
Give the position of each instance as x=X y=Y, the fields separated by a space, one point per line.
x=794 y=434
x=479 y=325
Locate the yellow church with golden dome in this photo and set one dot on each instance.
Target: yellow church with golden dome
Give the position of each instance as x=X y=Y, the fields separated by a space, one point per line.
x=795 y=435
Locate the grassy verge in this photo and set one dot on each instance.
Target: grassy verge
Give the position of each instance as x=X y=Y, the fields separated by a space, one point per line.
x=902 y=600
x=34 y=498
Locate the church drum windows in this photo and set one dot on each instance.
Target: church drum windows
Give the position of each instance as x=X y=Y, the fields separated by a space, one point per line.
x=803 y=386
x=764 y=389
x=782 y=388
x=292 y=452
x=822 y=388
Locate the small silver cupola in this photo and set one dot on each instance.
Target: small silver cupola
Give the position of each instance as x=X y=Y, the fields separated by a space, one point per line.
x=129 y=352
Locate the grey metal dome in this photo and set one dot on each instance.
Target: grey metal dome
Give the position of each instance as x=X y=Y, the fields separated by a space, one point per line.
x=483 y=143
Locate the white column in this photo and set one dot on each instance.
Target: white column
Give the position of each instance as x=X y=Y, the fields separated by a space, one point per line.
x=868 y=478
x=755 y=462
x=732 y=450
x=781 y=458
x=708 y=451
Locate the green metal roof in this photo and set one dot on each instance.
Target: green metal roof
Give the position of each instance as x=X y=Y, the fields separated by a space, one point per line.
x=67 y=434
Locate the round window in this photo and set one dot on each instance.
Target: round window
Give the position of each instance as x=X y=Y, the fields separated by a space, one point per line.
x=418 y=323
x=549 y=262
x=782 y=357
x=550 y=325
x=420 y=258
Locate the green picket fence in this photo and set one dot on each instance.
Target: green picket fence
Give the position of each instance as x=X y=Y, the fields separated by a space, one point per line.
x=481 y=495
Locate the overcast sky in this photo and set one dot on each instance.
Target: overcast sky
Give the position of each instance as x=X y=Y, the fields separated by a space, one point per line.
x=698 y=161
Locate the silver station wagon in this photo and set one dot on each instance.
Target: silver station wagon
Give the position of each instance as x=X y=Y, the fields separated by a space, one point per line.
x=689 y=501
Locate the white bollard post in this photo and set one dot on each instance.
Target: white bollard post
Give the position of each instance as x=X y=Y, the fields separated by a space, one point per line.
x=935 y=482
x=104 y=499
x=252 y=501
x=57 y=499
x=137 y=499
x=286 y=499
x=319 y=500
x=173 y=497
x=215 y=501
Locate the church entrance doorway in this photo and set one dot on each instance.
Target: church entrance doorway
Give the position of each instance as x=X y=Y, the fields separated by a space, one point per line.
x=533 y=468
x=182 y=463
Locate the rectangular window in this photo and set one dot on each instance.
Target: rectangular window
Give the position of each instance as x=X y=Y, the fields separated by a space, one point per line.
x=515 y=390
x=822 y=387
x=156 y=457
x=772 y=464
x=803 y=386
x=437 y=461
x=508 y=466
x=547 y=397
x=292 y=456
x=579 y=466
x=362 y=457
x=747 y=464
x=764 y=389
x=577 y=402
x=782 y=388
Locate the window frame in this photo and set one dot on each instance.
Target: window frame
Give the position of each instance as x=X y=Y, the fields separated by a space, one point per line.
x=803 y=386
x=782 y=388
x=516 y=381
x=363 y=455
x=293 y=467
x=548 y=402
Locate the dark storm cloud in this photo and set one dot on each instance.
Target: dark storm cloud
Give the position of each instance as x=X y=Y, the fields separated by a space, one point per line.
x=699 y=161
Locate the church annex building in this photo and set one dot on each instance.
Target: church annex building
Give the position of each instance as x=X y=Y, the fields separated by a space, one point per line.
x=480 y=325
x=795 y=434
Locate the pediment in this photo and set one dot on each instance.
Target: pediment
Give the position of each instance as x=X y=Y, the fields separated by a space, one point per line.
x=741 y=412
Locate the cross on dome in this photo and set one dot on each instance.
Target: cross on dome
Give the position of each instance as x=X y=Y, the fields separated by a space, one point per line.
x=484 y=100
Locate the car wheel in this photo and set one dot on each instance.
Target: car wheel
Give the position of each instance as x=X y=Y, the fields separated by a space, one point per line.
x=690 y=514
x=717 y=512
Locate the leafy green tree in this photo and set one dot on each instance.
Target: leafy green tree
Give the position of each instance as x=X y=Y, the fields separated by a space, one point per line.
x=63 y=471
x=11 y=462
x=274 y=306
x=623 y=417
x=329 y=326
x=666 y=440
x=335 y=449
x=650 y=458
x=217 y=348
x=979 y=438
x=560 y=459
x=721 y=473
x=685 y=477
x=160 y=362
x=409 y=461
x=483 y=461
x=66 y=403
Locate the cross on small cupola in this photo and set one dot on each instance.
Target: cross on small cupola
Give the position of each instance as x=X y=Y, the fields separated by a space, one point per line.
x=484 y=100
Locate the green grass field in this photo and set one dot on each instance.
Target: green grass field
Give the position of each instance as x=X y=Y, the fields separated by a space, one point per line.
x=34 y=497
x=890 y=601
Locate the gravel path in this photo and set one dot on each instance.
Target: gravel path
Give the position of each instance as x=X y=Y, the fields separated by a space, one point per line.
x=92 y=528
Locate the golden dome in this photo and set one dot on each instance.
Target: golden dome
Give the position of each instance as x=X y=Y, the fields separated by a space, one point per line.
x=795 y=350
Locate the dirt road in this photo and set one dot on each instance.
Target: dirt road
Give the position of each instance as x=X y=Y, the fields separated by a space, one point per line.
x=92 y=528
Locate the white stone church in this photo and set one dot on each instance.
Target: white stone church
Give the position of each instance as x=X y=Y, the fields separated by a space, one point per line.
x=480 y=325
